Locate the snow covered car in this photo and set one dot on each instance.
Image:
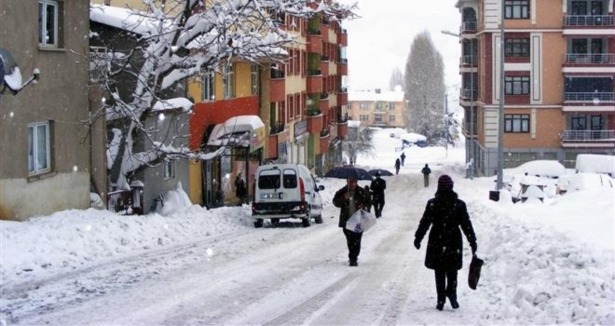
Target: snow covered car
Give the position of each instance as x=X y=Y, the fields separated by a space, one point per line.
x=286 y=191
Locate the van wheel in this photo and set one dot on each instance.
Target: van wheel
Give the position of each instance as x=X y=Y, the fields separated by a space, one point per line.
x=258 y=223
x=318 y=219
x=275 y=222
x=306 y=222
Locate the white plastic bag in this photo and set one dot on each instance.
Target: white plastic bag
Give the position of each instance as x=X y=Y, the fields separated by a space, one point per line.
x=360 y=221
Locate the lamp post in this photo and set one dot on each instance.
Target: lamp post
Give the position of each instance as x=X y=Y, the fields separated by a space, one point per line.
x=501 y=107
x=470 y=170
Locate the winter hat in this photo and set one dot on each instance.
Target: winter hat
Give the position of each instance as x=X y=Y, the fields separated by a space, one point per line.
x=445 y=182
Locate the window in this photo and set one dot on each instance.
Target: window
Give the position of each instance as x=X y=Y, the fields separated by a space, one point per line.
x=377 y=117
x=39 y=151
x=391 y=106
x=391 y=118
x=50 y=22
x=254 y=79
x=228 y=81
x=169 y=170
x=516 y=123
x=517 y=85
x=517 y=9
x=517 y=47
x=207 y=86
x=363 y=106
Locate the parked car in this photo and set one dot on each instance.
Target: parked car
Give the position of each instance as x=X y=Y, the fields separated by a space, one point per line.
x=286 y=191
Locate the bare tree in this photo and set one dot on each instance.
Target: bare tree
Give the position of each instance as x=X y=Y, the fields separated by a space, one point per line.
x=174 y=40
x=358 y=140
x=397 y=79
x=425 y=89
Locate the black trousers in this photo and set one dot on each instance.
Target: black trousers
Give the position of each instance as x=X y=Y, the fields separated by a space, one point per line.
x=353 y=240
x=378 y=205
x=446 y=284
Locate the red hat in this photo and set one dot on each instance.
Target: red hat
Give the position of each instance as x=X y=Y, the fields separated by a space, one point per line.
x=445 y=182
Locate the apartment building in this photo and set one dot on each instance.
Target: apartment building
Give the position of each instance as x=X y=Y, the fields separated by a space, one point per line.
x=50 y=157
x=558 y=70
x=377 y=108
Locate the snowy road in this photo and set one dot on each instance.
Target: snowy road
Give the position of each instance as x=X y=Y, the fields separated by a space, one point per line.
x=269 y=276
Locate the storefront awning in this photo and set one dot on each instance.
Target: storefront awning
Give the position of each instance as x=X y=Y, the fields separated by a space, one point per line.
x=239 y=131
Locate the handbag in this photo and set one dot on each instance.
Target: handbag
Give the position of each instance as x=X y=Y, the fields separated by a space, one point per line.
x=474 y=275
x=360 y=221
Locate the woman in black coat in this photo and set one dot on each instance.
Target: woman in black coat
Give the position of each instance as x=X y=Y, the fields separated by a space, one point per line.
x=446 y=214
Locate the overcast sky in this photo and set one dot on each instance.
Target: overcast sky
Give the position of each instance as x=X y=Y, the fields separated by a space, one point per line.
x=380 y=40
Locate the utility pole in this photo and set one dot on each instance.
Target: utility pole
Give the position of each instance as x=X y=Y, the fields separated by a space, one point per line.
x=501 y=108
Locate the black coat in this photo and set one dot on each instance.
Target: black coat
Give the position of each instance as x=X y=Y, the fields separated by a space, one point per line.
x=361 y=199
x=446 y=215
x=426 y=170
x=378 y=186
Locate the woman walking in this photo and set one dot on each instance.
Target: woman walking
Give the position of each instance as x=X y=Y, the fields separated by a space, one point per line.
x=446 y=214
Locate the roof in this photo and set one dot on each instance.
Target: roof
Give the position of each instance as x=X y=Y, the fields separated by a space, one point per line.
x=374 y=96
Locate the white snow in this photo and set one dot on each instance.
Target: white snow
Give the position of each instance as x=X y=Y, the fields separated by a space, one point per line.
x=549 y=262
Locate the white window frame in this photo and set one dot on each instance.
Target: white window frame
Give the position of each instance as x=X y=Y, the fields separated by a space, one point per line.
x=34 y=154
x=168 y=170
x=228 y=79
x=42 y=28
x=254 y=79
x=208 y=86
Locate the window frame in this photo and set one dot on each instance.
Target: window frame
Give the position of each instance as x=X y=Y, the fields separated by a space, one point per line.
x=43 y=27
x=168 y=170
x=516 y=9
x=517 y=123
x=254 y=79
x=512 y=83
x=517 y=47
x=33 y=147
x=228 y=81
x=208 y=86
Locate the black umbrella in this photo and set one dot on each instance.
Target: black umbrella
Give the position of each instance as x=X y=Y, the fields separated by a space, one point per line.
x=345 y=172
x=383 y=172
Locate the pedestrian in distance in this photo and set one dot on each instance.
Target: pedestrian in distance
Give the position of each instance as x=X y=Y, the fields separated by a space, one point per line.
x=397 y=166
x=446 y=214
x=403 y=158
x=426 y=171
x=350 y=199
x=240 y=189
x=378 y=186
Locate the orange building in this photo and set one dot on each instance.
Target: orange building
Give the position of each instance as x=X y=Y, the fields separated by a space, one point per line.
x=559 y=66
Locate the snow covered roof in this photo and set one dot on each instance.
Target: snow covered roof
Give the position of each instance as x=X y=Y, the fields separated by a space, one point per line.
x=242 y=130
x=123 y=18
x=374 y=96
x=172 y=104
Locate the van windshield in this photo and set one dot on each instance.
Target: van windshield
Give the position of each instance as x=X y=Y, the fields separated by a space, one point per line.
x=269 y=179
x=290 y=178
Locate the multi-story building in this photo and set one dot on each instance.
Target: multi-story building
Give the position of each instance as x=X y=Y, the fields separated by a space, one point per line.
x=377 y=108
x=50 y=157
x=558 y=70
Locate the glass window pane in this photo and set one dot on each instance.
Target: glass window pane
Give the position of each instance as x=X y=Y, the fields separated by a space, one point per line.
x=41 y=22
x=41 y=147
x=30 y=149
x=51 y=28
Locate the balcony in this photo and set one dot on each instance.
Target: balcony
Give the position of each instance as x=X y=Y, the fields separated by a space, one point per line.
x=325 y=136
x=277 y=91
x=588 y=21
x=467 y=60
x=314 y=43
x=324 y=66
x=342 y=67
x=466 y=128
x=588 y=138
x=589 y=59
x=324 y=32
x=469 y=27
x=342 y=128
x=342 y=38
x=314 y=82
x=314 y=121
x=342 y=97
x=469 y=94
x=590 y=97
x=276 y=127
x=323 y=106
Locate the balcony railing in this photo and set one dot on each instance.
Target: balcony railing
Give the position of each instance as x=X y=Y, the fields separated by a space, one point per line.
x=469 y=94
x=589 y=97
x=468 y=60
x=312 y=112
x=468 y=27
x=325 y=132
x=588 y=135
x=600 y=58
x=588 y=20
x=314 y=72
x=277 y=74
x=276 y=127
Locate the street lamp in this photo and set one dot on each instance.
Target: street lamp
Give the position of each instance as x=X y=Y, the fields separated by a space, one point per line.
x=501 y=107
x=470 y=170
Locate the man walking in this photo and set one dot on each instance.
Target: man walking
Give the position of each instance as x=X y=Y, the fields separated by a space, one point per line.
x=378 y=186
x=350 y=199
x=426 y=171
x=403 y=158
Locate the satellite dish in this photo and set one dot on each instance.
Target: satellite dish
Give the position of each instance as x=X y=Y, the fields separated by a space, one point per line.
x=10 y=76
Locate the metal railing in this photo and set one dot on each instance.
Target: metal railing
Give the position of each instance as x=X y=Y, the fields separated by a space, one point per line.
x=468 y=60
x=588 y=20
x=469 y=94
x=468 y=27
x=588 y=135
x=277 y=74
x=595 y=97
x=467 y=126
x=593 y=58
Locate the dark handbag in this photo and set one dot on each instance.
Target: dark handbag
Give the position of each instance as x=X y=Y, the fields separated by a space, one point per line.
x=474 y=275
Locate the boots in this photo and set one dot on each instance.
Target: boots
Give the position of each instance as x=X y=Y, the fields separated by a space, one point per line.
x=440 y=305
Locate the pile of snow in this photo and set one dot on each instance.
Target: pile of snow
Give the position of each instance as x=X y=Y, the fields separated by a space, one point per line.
x=596 y=163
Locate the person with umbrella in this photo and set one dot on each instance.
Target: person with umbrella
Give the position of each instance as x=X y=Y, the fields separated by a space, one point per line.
x=446 y=214
x=350 y=199
x=378 y=186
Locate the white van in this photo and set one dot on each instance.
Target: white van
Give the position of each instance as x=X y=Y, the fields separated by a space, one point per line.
x=284 y=191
